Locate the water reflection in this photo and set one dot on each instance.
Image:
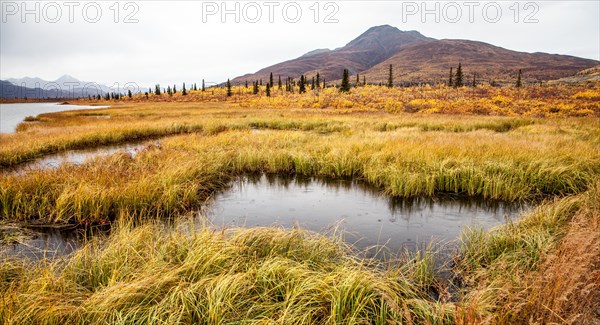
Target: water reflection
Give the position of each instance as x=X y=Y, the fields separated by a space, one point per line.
x=368 y=217
x=75 y=157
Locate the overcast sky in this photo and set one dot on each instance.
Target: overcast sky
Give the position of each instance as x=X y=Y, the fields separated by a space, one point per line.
x=171 y=42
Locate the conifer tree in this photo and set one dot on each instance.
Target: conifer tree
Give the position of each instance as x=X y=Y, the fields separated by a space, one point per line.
x=183 y=92
x=458 y=82
x=364 y=80
x=271 y=79
x=129 y=93
x=255 y=88
x=169 y=91
x=157 y=90
x=357 y=83
x=318 y=81
x=450 y=82
x=229 y=93
x=519 y=82
x=146 y=94
x=202 y=84
x=345 y=86
x=390 y=82
x=312 y=84
x=474 y=80
x=279 y=83
x=174 y=89
x=268 y=90
x=302 y=84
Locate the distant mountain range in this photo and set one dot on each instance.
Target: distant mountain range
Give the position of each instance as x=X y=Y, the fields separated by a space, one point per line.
x=63 y=87
x=416 y=58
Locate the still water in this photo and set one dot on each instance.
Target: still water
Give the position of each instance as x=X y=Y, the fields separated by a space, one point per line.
x=367 y=218
x=13 y=114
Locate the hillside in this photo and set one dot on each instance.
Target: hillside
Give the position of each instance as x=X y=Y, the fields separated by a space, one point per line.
x=372 y=47
x=431 y=61
x=417 y=58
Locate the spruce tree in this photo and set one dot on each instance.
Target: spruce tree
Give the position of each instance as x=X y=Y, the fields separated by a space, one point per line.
x=271 y=79
x=268 y=90
x=129 y=93
x=255 y=88
x=318 y=81
x=450 y=82
x=202 y=84
x=345 y=86
x=474 y=80
x=458 y=82
x=302 y=84
x=312 y=84
x=357 y=81
x=279 y=83
x=390 y=82
x=174 y=89
x=519 y=83
x=169 y=91
x=183 y=92
x=364 y=80
x=229 y=93
x=157 y=90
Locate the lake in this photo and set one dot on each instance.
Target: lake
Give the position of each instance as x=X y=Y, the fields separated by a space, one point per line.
x=13 y=114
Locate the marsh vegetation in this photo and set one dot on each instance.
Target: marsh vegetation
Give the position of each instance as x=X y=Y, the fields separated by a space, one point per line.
x=149 y=271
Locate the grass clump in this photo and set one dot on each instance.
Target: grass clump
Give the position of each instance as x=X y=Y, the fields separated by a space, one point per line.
x=151 y=274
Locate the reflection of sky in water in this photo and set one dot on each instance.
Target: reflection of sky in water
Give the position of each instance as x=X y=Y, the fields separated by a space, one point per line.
x=49 y=244
x=13 y=114
x=368 y=217
x=75 y=157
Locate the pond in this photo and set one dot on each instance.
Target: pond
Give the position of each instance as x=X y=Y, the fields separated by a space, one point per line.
x=367 y=218
x=13 y=114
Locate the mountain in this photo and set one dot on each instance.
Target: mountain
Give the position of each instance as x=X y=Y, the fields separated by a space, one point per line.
x=431 y=61
x=10 y=90
x=64 y=87
x=417 y=58
x=373 y=46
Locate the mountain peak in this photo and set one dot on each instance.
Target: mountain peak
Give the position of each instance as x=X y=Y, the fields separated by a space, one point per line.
x=66 y=78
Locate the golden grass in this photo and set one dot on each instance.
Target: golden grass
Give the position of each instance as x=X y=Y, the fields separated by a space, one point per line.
x=193 y=274
x=405 y=156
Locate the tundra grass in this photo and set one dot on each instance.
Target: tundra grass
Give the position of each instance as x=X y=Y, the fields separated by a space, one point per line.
x=529 y=162
x=194 y=274
x=153 y=274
